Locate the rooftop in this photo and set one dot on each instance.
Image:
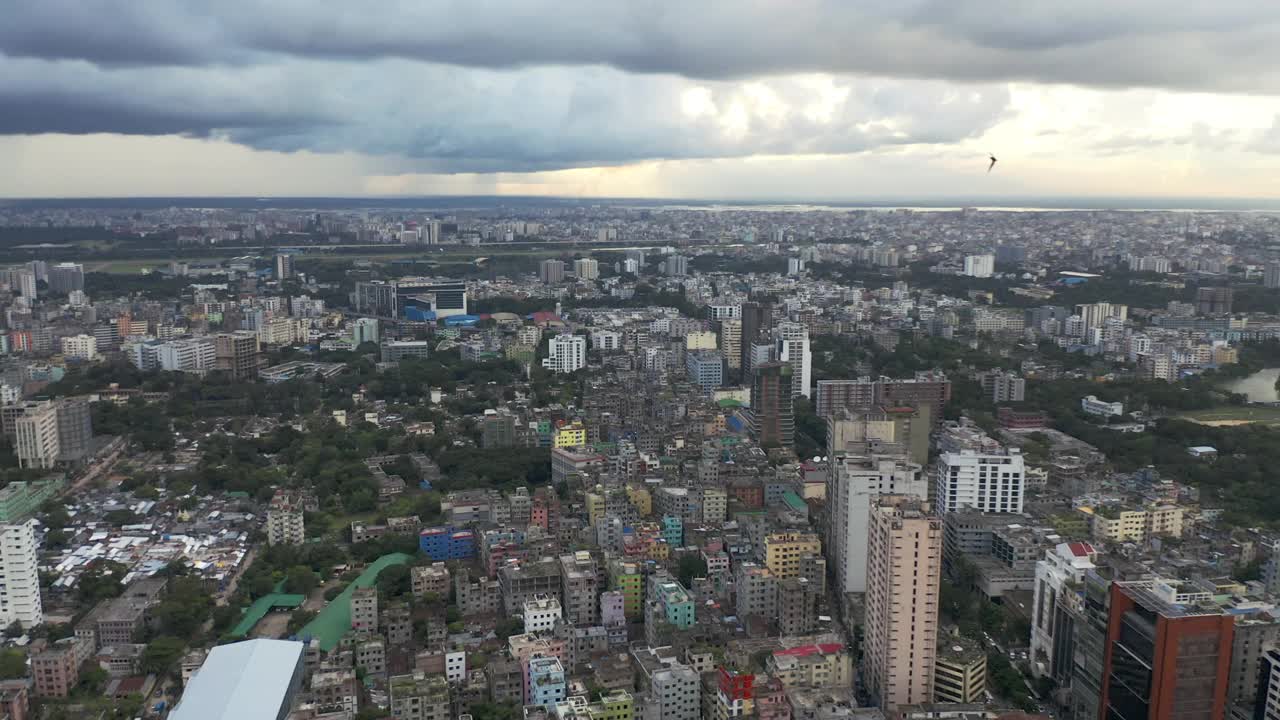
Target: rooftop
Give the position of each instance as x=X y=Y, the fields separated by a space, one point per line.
x=247 y=680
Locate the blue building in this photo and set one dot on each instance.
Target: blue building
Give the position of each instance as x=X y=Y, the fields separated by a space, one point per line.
x=440 y=543
x=705 y=368
x=546 y=682
x=673 y=530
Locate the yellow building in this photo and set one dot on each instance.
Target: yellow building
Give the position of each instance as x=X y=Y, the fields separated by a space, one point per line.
x=595 y=505
x=705 y=340
x=782 y=552
x=625 y=577
x=641 y=499
x=1114 y=524
x=571 y=436
x=1164 y=520
x=960 y=672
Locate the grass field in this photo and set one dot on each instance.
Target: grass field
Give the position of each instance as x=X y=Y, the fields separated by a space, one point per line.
x=460 y=256
x=1234 y=415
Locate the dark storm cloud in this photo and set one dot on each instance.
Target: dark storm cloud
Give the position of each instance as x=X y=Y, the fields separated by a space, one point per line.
x=1223 y=45
x=450 y=120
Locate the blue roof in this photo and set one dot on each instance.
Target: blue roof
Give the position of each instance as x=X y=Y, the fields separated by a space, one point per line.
x=250 y=680
x=461 y=320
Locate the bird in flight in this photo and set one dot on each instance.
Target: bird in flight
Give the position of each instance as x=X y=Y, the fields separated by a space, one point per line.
x=993 y=162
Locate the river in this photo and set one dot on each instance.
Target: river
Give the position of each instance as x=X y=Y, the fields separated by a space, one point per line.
x=1258 y=387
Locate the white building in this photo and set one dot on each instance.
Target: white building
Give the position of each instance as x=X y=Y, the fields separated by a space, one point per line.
x=979 y=266
x=586 y=269
x=793 y=349
x=284 y=266
x=606 y=340
x=541 y=614
x=19 y=576
x=1051 y=636
x=567 y=353
x=969 y=480
x=853 y=484
x=364 y=330
x=36 y=441
x=80 y=347
x=194 y=355
x=1092 y=405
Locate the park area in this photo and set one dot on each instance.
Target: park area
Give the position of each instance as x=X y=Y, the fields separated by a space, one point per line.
x=1230 y=415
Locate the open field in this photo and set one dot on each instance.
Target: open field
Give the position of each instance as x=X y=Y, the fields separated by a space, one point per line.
x=459 y=256
x=1234 y=415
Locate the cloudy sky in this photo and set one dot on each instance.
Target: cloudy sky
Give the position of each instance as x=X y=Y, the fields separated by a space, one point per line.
x=760 y=99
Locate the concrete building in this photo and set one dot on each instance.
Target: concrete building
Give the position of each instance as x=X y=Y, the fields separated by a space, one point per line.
x=926 y=388
x=1267 y=700
x=904 y=569
x=284 y=266
x=419 y=697
x=1003 y=386
x=1054 y=608
x=238 y=354
x=35 y=433
x=547 y=684
x=980 y=481
x=579 y=588
x=979 y=266
x=854 y=482
x=960 y=671
x=250 y=680
x=566 y=354
x=66 y=277
x=364 y=330
x=285 y=525
x=793 y=349
x=56 y=669
x=757 y=592
x=705 y=368
x=19 y=576
x=586 y=269
x=1092 y=405
x=80 y=347
x=673 y=688
x=541 y=613
x=772 y=418
x=364 y=609
x=551 y=272
x=525 y=580
x=783 y=552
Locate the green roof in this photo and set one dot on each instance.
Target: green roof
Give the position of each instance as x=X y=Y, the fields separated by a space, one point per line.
x=793 y=501
x=729 y=402
x=334 y=620
x=262 y=606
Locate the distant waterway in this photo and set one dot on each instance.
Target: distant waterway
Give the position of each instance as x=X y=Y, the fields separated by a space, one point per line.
x=1258 y=387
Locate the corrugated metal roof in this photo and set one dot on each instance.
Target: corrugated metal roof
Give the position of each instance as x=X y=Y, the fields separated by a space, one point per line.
x=247 y=680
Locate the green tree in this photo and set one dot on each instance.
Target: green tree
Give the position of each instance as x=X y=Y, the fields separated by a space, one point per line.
x=301 y=580
x=691 y=566
x=161 y=654
x=13 y=664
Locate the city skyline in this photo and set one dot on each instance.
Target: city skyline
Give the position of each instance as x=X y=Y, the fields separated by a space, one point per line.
x=832 y=101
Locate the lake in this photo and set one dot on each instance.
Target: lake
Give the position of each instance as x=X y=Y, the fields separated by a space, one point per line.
x=1258 y=387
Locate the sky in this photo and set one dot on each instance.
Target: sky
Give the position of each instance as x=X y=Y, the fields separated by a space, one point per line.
x=709 y=99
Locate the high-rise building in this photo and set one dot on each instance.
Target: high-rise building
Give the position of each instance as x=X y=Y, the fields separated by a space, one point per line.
x=1003 y=386
x=586 y=269
x=237 y=353
x=1214 y=300
x=80 y=347
x=757 y=322
x=19 y=576
x=960 y=672
x=22 y=281
x=1054 y=608
x=285 y=524
x=793 y=349
x=65 y=277
x=551 y=271
x=904 y=571
x=979 y=266
x=1168 y=653
x=75 y=429
x=579 y=588
x=1271 y=276
x=705 y=368
x=926 y=388
x=772 y=418
x=35 y=427
x=854 y=485
x=566 y=354
x=983 y=482
x=376 y=298
x=284 y=266
x=419 y=697
x=364 y=330
x=1267 y=701
x=414 y=297
x=1094 y=315
x=731 y=342
x=677 y=265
